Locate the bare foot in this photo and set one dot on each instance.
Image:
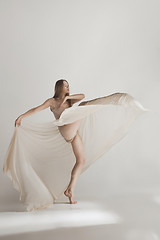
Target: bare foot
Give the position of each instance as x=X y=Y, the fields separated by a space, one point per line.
x=69 y=194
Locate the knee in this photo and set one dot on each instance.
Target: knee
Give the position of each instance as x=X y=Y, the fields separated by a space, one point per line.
x=81 y=161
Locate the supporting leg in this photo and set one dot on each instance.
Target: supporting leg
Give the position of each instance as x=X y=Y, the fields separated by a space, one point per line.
x=78 y=150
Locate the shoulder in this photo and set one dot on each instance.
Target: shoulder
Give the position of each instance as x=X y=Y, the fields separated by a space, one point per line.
x=51 y=101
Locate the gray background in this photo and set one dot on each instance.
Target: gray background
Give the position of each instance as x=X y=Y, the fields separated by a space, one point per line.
x=100 y=47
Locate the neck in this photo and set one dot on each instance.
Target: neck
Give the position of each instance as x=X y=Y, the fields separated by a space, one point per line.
x=61 y=97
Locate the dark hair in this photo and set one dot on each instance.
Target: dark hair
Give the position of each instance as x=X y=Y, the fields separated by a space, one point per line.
x=58 y=88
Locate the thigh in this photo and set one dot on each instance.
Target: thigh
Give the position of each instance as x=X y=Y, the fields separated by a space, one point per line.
x=68 y=131
x=78 y=148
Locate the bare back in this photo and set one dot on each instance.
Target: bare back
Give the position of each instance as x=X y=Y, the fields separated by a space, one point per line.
x=55 y=107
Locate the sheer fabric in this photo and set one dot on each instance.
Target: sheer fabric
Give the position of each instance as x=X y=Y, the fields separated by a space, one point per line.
x=39 y=161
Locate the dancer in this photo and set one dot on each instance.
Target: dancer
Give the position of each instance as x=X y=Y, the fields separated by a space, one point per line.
x=58 y=103
x=44 y=160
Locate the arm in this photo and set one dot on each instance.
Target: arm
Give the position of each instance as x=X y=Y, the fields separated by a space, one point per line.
x=43 y=106
x=74 y=98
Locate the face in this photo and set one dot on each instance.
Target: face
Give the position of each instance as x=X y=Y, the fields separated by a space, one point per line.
x=65 y=87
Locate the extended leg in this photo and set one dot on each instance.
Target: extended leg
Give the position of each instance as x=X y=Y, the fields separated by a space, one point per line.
x=70 y=140
x=69 y=131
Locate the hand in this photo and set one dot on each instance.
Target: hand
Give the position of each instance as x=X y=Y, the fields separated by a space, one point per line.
x=18 y=121
x=65 y=99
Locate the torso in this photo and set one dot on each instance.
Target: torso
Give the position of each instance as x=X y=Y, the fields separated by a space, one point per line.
x=55 y=107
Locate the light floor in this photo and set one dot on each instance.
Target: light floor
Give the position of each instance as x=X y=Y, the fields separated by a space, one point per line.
x=117 y=217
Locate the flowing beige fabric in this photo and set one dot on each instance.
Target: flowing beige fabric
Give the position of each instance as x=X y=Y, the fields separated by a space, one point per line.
x=39 y=160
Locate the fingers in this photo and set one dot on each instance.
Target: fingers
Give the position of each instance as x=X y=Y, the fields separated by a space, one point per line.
x=16 y=123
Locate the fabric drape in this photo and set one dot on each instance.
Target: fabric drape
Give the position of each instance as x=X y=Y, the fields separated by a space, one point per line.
x=39 y=161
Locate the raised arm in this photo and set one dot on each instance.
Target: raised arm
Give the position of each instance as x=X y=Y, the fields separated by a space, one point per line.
x=41 y=107
x=74 y=98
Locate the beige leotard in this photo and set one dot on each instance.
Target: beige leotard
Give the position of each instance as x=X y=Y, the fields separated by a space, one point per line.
x=56 y=109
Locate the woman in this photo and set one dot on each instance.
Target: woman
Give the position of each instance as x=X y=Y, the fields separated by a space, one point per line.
x=44 y=160
x=58 y=103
